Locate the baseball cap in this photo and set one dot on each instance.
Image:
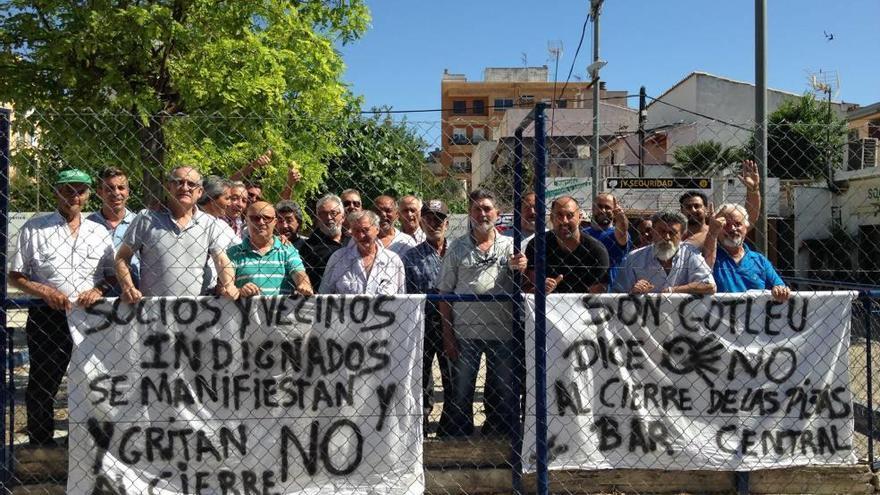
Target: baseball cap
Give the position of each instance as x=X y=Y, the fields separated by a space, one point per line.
x=436 y=207
x=73 y=176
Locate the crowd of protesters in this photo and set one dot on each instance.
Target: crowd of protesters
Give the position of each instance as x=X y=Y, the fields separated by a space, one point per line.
x=221 y=237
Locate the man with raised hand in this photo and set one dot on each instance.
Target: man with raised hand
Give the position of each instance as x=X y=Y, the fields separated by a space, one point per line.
x=391 y=238
x=364 y=266
x=737 y=268
x=173 y=244
x=695 y=206
x=422 y=264
x=610 y=226
x=114 y=215
x=667 y=265
x=325 y=239
x=481 y=263
x=410 y=214
x=576 y=263
x=63 y=259
x=263 y=264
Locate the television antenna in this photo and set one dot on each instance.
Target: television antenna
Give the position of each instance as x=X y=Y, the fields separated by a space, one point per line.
x=825 y=83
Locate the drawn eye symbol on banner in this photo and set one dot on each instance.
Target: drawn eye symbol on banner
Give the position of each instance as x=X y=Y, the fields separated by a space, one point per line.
x=683 y=355
x=553 y=450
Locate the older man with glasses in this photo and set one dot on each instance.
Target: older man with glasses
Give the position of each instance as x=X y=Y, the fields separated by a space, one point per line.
x=326 y=238
x=173 y=244
x=263 y=264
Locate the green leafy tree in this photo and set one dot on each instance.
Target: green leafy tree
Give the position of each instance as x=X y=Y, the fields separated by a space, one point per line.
x=381 y=156
x=803 y=136
x=705 y=159
x=147 y=84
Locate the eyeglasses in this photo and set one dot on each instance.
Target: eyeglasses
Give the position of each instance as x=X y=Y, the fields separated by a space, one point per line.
x=180 y=182
x=350 y=202
x=258 y=218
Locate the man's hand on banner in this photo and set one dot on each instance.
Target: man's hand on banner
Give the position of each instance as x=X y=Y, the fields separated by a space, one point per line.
x=642 y=287
x=230 y=292
x=249 y=289
x=551 y=283
x=132 y=295
x=89 y=297
x=55 y=299
x=781 y=293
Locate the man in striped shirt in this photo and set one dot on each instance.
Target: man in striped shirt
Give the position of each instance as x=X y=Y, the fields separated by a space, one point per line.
x=263 y=265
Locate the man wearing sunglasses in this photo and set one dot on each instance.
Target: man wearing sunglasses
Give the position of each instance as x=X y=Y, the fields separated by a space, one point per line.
x=173 y=244
x=263 y=265
x=351 y=201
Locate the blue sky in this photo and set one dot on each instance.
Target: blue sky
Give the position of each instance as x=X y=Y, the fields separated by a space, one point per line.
x=400 y=60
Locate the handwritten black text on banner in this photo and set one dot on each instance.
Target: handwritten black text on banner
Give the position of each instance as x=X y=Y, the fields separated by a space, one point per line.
x=728 y=382
x=261 y=395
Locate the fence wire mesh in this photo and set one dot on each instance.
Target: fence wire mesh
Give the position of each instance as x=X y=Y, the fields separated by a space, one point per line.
x=250 y=326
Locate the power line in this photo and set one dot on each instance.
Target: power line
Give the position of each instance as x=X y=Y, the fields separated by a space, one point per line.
x=574 y=59
x=698 y=114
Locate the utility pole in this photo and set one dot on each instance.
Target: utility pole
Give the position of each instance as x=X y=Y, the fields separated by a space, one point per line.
x=761 y=118
x=643 y=116
x=593 y=71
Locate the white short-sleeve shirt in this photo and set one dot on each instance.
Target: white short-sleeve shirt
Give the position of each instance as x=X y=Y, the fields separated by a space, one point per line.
x=50 y=255
x=345 y=273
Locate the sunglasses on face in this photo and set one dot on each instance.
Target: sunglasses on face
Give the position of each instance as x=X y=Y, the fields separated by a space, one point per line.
x=179 y=182
x=356 y=204
x=259 y=218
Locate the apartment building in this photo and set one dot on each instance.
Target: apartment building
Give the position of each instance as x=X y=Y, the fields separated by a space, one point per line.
x=472 y=110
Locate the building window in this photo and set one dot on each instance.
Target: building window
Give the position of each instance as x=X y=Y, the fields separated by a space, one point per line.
x=459 y=135
x=502 y=104
x=527 y=98
x=478 y=134
x=561 y=103
x=459 y=107
x=874 y=129
x=461 y=165
x=479 y=107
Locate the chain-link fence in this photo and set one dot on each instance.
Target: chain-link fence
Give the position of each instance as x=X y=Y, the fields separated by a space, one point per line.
x=246 y=315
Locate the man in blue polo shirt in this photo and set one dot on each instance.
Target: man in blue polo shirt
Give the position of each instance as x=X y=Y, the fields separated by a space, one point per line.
x=737 y=268
x=615 y=238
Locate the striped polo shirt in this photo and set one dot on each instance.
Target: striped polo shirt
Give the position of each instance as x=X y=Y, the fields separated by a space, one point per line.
x=271 y=272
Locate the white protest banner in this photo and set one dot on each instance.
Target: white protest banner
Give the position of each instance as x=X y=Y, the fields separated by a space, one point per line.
x=726 y=382
x=281 y=395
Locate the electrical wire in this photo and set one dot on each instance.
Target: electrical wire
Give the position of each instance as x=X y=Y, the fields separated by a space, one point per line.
x=515 y=105
x=698 y=114
x=574 y=60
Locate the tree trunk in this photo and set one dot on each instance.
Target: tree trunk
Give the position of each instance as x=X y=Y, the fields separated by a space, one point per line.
x=152 y=151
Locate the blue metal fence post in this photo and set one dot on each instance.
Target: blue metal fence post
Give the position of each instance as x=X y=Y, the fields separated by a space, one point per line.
x=543 y=482
x=518 y=333
x=867 y=307
x=6 y=398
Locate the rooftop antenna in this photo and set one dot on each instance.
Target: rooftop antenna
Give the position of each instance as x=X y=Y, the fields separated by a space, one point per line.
x=827 y=83
x=824 y=83
x=525 y=58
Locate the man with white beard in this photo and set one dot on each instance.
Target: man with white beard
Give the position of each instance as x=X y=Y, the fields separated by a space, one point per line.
x=737 y=268
x=667 y=265
x=325 y=239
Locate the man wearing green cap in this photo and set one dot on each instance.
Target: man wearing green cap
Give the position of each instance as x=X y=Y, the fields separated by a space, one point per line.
x=63 y=259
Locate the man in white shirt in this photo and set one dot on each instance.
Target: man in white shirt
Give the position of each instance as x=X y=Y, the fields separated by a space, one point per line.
x=410 y=216
x=114 y=215
x=364 y=266
x=391 y=238
x=63 y=259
